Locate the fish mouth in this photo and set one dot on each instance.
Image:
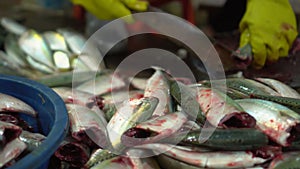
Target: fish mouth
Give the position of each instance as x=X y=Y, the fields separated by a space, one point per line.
x=238 y=120
x=72 y=153
x=136 y=136
x=294 y=132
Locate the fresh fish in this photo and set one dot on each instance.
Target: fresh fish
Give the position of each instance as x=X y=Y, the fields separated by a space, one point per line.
x=186 y=98
x=281 y=88
x=222 y=111
x=246 y=86
x=74 y=40
x=102 y=84
x=74 y=96
x=291 y=103
x=55 y=41
x=158 y=86
x=278 y=122
x=8 y=132
x=11 y=151
x=12 y=26
x=287 y=160
x=73 y=153
x=138 y=83
x=8 y=61
x=33 y=44
x=129 y=114
x=99 y=156
x=115 y=163
x=12 y=104
x=38 y=66
x=234 y=139
x=154 y=129
x=13 y=50
x=9 y=119
x=219 y=159
x=119 y=96
x=168 y=162
x=32 y=140
x=61 y=60
x=86 y=125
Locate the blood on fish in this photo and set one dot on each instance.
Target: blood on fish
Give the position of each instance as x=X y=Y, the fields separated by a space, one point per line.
x=124 y=161
x=135 y=136
x=232 y=164
x=73 y=154
x=9 y=119
x=239 y=120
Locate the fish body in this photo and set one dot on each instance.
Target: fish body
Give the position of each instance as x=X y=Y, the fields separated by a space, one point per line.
x=273 y=119
x=86 y=125
x=12 y=26
x=222 y=111
x=12 y=104
x=129 y=114
x=219 y=159
x=55 y=41
x=11 y=151
x=158 y=86
x=102 y=84
x=33 y=44
x=283 y=89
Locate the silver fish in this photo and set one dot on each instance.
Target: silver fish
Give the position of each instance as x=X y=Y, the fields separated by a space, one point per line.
x=74 y=40
x=117 y=163
x=12 y=150
x=13 y=50
x=158 y=86
x=127 y=115
x=8 y=60
x=102 y=84
x=8 y=132
x=273 y=119
x=33 y=44
x=13 y=104
x=55 y=41
x=32 y=140
x=138 y=83
x=12 y=26
x=281 y=88
x=38 y=66
x=99 y=156
x=119 y=96
x=85 y=123
x=221 y=159
x=61 y=60
x=219 y=109
x=74 y=96
x=162 y=127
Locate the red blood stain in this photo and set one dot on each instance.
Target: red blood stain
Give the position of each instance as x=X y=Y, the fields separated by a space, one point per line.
x=232 y=164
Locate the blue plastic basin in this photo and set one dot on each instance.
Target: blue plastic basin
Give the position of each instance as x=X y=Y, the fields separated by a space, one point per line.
x=52 y=118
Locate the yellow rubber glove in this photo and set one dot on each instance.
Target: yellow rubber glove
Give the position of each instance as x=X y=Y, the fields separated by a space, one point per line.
x=112 y=9
x=269 y=26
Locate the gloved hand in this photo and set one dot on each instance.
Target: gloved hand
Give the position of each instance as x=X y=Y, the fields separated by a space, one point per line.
x=269 y=26
x=112 y=9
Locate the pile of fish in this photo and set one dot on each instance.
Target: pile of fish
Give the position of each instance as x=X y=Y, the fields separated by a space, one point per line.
x=17 y=136
x=29 y=53
x=167 y=122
